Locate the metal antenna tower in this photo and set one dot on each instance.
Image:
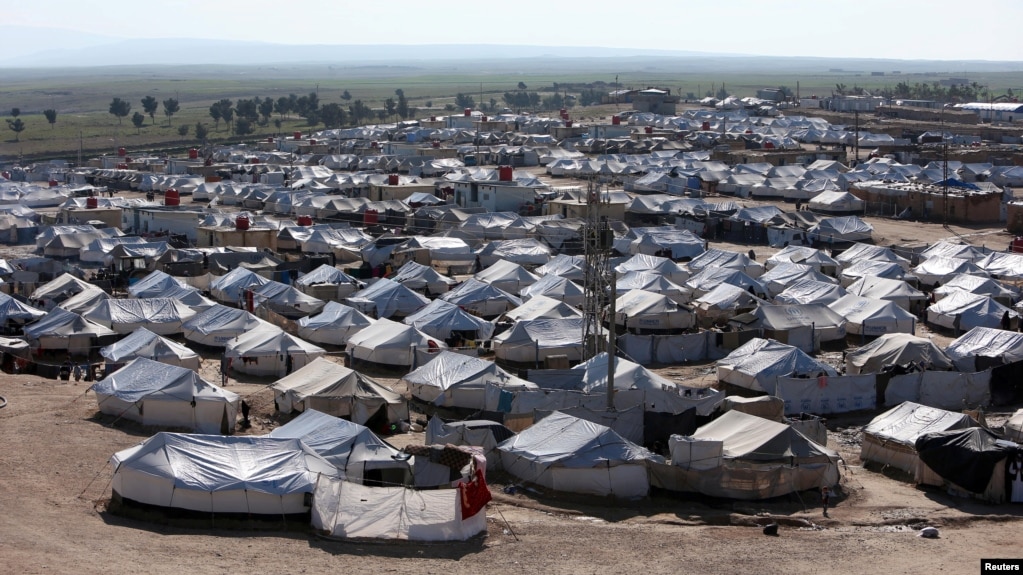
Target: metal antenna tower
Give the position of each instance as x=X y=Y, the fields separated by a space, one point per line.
x=599 y=288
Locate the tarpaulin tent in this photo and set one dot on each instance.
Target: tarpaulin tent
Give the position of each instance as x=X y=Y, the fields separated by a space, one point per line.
x=144 y=343
x=890 y=438
x=758 y=363
x=896 y=349
x=270 y=351
x=336 y=390
x=333 y=325
x=455 y=380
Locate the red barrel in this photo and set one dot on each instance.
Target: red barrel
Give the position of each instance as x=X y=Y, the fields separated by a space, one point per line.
x=433 y=118
x=53 y=183
x=91 y=203
x=468 y=112
x=370 y=217
x=374 y=145
x=616 y=120
x=504 y=173
x=568 y=123
x=649 y=129
x=122 y=166
x=269 y=139
x=312 y=142
x=436 y=144
x=241 y=223
x=193 y=154
x=172 y=198
x=254 y=161
x=392 y=179
x=705 y=127
x=296 y=135
x=305 y=220
x=122 y=152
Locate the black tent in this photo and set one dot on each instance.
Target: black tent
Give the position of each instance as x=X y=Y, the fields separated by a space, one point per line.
x=973 y=459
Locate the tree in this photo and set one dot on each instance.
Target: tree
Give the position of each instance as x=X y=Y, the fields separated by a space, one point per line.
x=248 y=109
x=17 y=125
x=216 y=113
x=346 y=96
x=183 y=130
x=243 y=126
x=222 y=110
x=282 y=106
x=15 y=112
x=201 y=131
x=464 y=101
x=266 y=109
x=359 y=111
x=522 y=85
x=402 y=107
x=51 y=116
x=332 y=115
x=390 y=106
x=429 y=103
x=149 y=106
x=170 y=107
x=139 y=119
x=120 y=108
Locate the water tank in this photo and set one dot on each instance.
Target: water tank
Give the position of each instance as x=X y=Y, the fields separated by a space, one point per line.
x=370 y=217
x=312 y=142
x=649 y=129
x=374 y=145
x=269 y=139
x=768 y=145
x=433 y=118
x=468 y=112
x=616 y=120
x=172 y=198
x=564 y=113
x=436 y=143
x=54 y=183
x=254 y=161
x=122 y=152
x=296 y=135
x=305 y=220
x=193 y=154
x=504 y=173
x=568 y=123
x=241 y=223
x=705 y=127
x=392 y=179
x=91 y=203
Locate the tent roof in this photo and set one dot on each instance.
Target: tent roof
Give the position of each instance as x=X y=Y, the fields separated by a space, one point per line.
x=898 y=349
x=568 y=441
x=753 y=438
x=906 y=422
x=144 y=377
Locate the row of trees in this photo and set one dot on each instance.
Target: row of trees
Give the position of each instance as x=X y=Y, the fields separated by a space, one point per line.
x=17 y=125
x=121 y=108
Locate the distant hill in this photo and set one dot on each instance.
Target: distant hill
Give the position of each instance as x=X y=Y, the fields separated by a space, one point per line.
x=41 y=48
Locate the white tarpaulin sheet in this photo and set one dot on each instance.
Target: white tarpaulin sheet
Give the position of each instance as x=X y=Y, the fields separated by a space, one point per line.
x=941 y=389
x=828 y=394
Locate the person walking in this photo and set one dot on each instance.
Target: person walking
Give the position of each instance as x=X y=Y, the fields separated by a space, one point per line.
x=825 y=498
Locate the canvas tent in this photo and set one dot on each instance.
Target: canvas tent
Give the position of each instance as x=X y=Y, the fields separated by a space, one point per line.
x=336 y=390
x=285 y=300
x=14 y=314
x=836 y=203
x=230 y=288
x=144 y=343
x=938 y=270
x=971 y=461
x=63 y=330
x=758 y=364
x=541 y=306
x=392 y=344
x=270 y=351
x=803 y=326
x=532 y=341
x=481 y=433
x=977 y=285
x=805 y=255
x=985 y=345
x=647 y=312
x=743 y=456
x=898 y=291
x=334 y=325
x=218 y=325
x=865 y=316
x=653 y=265
x=896 y=349
x=507 y=276
x=157 y=394
x=213 y=474
x=159 y=315
x=963 y=311
x=808 y=291
x=566 y=453
x=441 y=320
x=481 y=299
x=890 y=438
x=459 y=381
x=385 y=298
x=422 y=279
x=830 y=231
x=555 y=287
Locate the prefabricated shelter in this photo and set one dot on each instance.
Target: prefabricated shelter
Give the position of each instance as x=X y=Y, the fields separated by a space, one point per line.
x=447 y=321
x=566 y=453
x=214 y=474
x=360 y=456
x=870 y=317
x=481 y=433
x=455 y=380
x=974 y=462
x=890 y=438
x=336 y=390
x=743 y=456
x=335 y=323
x=646 y=312
x=270 y=351
x=218 y=325
x=144 y=343
x=984 y=346
x=392 y=344
x=157 y=394
x=961 y=311
x=159 y=315
x=532 y=341
x=385 y=298
x=64 y=330
x=896 y=349
x=757 y=365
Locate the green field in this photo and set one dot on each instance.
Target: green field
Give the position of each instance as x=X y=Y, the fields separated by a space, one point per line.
x=82 y=97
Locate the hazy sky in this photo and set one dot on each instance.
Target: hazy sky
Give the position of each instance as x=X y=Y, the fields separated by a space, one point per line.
x=925 y=29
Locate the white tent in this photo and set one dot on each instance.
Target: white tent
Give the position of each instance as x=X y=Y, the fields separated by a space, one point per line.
x=144 y=343
x=385 y=298
x=758 y=364
x=542 y=307
x=285 y=300
x=270 y=351
x=724 y=302
x=858 y=252
x=870 y=269
x=455 y=380
x=69 y=331
x=806 y=291
x=904 y=295
x=964 y=311
x=654 y=265
x=716 y=259
x=507 y=276
x=896 y=349
x=85 y=300
x=158 y=394
x=440 y=319
x=890 y=438
x=564 y=265
x=978 y=285
x=218 y=325
x=662 y=394
x=710 y=278
x=158 y=315
x=866 y=316
x=565 y=453
x=230 y=288
x=805 y=255
x=359 y=455
x=336 y=390
x=391 y=343
x=643 y=311
x=949 y=249
x=742 y=456
x=939 y=269
x=526 y=252
x=986 y=342
x=213 y=474
x=477 y=432
x=156 y=284
x=333 y=325
x=837 y=203
x=422 y=278
x=842 y=229
x=555 y=287
x=59 y=289
x=647 y=281
x=782 y=276
x=481 y=299
x=802 y=325
x=532 y=341
x=13 y=312
x=328 y=283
